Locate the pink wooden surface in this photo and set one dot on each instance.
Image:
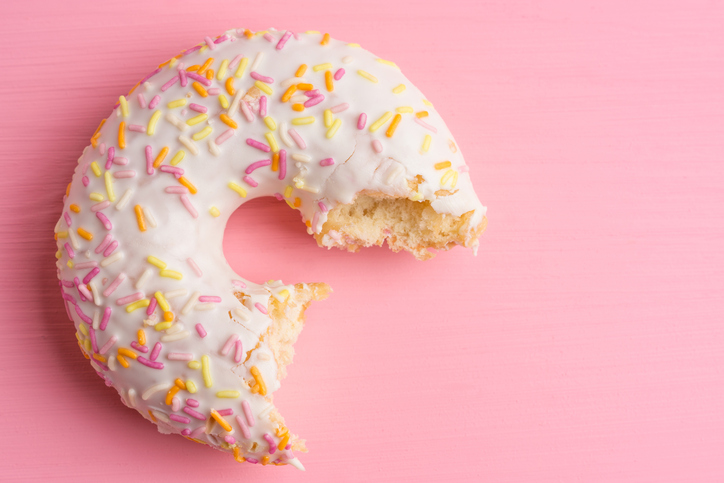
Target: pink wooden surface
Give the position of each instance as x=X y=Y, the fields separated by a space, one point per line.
x=584 y=343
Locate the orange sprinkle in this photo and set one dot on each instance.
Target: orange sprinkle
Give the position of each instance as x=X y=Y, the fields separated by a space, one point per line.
x=205 y=65
x=283 y=443
x=301 y=70
x=210 y=74
x=265 y=460
x=248 y=33
x=153 y=418
x=259 y=381
x=200 y=89
x=98 y=129
x=139 y=216
x=227 y=120
x=275 y=162
x=237 y=455
x=289 y=92
x=74 y=208
x=99 y=357
x=127 y=353
x=162 y=64
x=328 y=80
x=298 y=107
x=141 y=335
x=297 y=202
x=443 y=165
x=67 y=189
x=85 y=234
x=161 y=156
x=168 y=316
x=134 y=88
x=421 y=114
x=325 y=39
x=122 y=135
x=123 y=361
x=193 y=68
x=188 y=184
x=230 y=86
x=305 y=86
x=171 y=393
x=222 y=422
x=393 y=125
x=180 y=384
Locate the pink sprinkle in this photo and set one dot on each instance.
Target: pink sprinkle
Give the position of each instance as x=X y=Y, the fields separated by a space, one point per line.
x=247 y=412
x=339 y=108
x=100 y=206
x=198 y=431
x=256 y=144
x=194 y=414
x=210 y=43
x=186 y=432
x=111 y=248
x=141 y=101
x=67 y=219
x=164 y=88
x=296 y=35
x=263 y=78
x=184 y=79
x=83 y=316
x=225 y=412
x=313 y=93
x=210 y=298
x=272 y=445
x=362 y=121
x=179 y=419
x=104 y=243
x=139 y=347
x=230 y=342
x=235 y=61
x=425 y=125
x=464 y=168
x=69 y=249
x=151 y=306
x=179 y=356
x=90 y=275
x=297 y=138
x=108 y=344
x=122 y=161
x=69 y=284
x=197 y=108
x=322 y=207
x=326 y=162
x=81 y=290
x=189 y=206
x=377 y=146
x=248 y=179
x=134 y=297
x=178 y=190
x=224 y=136
x=278 y=196
x=156 y=351
x=195 y=268
x=238 y=351
x=338 y=75
x=269 y=37
x=214 y=91
x=261 y=308
x=106 y=315
x=175 y=404
x=246 y=110
x=136 y=128
x=283 y=40
x=94 y=341
x=257 y=164
x=192 y=402
x=84 y=265
x=244 y=428
x=114 y=285
x=221 y=39
x=85 y=181
x=229 y=439
x=111 y=155
x=149 y=160
x=102 y=150
x=239 y=283
x=252 y=460
x=129 y=173
x=262 y=106
x=154 y=102
x=314 y=101
x=151 y=364
x=171 y=169
x=199 y=78
x=315 y=220
x=282 y=163
x=150 y=75
x=200 y=329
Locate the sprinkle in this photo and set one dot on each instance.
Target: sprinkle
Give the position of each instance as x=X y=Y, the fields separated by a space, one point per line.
x=229 y=343
x=260 y=308
x=264 y=87
x=282 y=164
x=178 y=123
x=269 y=121
x=228 y=394
x=113 y=258
x=172 y=273
x=425 y=125
x=246 y=407
x=263 y=78
x=377 y=146
x=237 y=188
x=202 y=134
x=238 y=352
x=381 y=121
x=299 y=121
x=326 y=162
x=179 y=419
x=124 y=199
x=199 y=89
x=175 y=337
x=324 y=66
x=163 y=326
x=272 y=141
x=214 y=211
x=404 y=110
x=258 y=164
x=399 y=89
x=123 y=361
x=228 y=121
x=223 y=137
x=256 y=144
x=301 y=157
x=176 y=103
x=301 y=70
x=168 y=84
x=443 y=165
x=250 y=181
x=198 y=108
x=139 y=217
x=334 y=128
x=298 y=107
x=179 y=356
x=283 y=40
x=328 y=80
x=383 y=61
x=269 y=37
x=141 y=100
x=162 y=302
x=289 y=92
x=206 y=371
x=130 y=298
x=85 y=234
x=347 y=59
x=195 y=414
x=247 y=111
x=96 y=170
x=156 y=351
x=222 y=422
x=108 y=345
x=201 y=331
x=426 y=143
x=222 y=69
x=196 y=270
x=259 y=381
x=137 y=305
x=242 y=67
x=127 y=353
x=151 y=364
x=110 y=248
x=368 y=76
x=154 y=389
x=283 y=133
x=178 y=157
x=199 y=78
x=190 y=145
x=197 y=119
x=339 y=108
x=421 y=114
x=393 y=125
x=161 y=156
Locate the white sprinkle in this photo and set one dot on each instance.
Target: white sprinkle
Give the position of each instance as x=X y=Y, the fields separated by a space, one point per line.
x=73 y=239
x=149 y=218
x=175 y=337
x=257 y=61
x=112 y=362
x=243 y=313
x=131 y=397
x=161 y=416
x=299 y=99
x=113 y=258
x=347 y=59
x=308 y=188
x=96 y=366
x=175 y=328
x=96 y=293
x=398 y=171
x=214 y=148
x=176 y=293
x=144 y=278
x=182 y=126
x=234 y=106
x=179 y=356
x=154 y=389
x=286 y=139
x=189 y=144
x=96 y=315
x=206 y=306
x=263 y=356
x=124 y=199
x=304 y=158
x=292 y=80
x=191 y=302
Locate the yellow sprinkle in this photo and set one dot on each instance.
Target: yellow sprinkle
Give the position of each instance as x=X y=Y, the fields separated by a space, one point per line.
x=417 y=196
x=200 y=89
x=368 y=76
x=123 y=361
x=269 y=121
x=447 y=176
x=214 y=212
x=222 y=69
x=206 y=371
x=83 y=329
x=191 y=385
x=325 y=66
x=176 y=103
x=259 y=381
x=387 y=62
x=171 y=274
x=70 y=263
x=162 y=301
x=298 y=121
x=455 y=180
x=202 y=134
x=237 y=188
x=178 y=157
x=272 y=142
x=96 y=169
x=426 y=143
x=228 y=394
x=161 y=156
x=381 y=121
x=426 y=102
x=138 y=305
x=421 y=114
x=335 y=127
x=228 y=121
x=85 y=234
x=162 y=326
x=325 y=39
x=96 y=197
x=127 y=352
x=264 y=88
x=404 y=110
x=393 y=125
x=353 y=45
x=109 y=187
x=124 y=106
x=140 y=218
x=284 y=294
x=141 y=335
x=223 y=101
x=301 y=70
x=399 y=89
x=194 y=365
x=58 y=254
x=222 y=422
x=242 y=67
x=62 y=234
x=151 y=129
x=288 y=191
x=443 y=165
x=328 y=118
x=197 y=119
x=188 y=184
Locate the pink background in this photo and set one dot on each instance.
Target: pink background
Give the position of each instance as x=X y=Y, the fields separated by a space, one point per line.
x=584 y=343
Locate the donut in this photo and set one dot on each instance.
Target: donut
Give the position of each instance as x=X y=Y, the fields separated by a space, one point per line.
x=325 y=126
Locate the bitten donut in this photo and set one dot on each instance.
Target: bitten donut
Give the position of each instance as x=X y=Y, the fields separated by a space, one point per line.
x=323 y=125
